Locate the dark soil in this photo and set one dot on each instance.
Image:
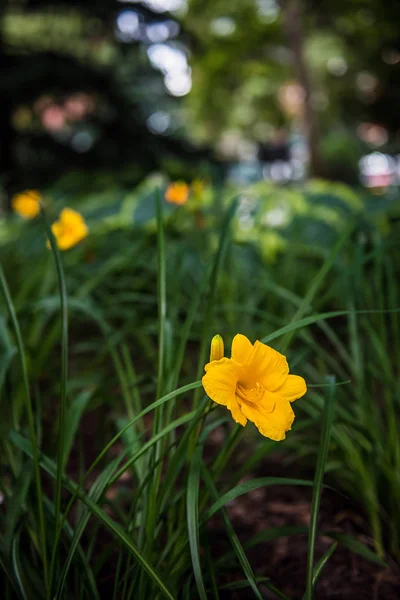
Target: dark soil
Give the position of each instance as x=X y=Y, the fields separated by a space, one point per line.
x=346 y=575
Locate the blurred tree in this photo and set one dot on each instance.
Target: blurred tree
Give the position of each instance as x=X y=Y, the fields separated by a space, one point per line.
x=79 y=87
x=98 y=83
x=318 y=66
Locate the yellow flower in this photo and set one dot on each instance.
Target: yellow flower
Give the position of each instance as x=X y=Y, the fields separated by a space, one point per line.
x=255 y=385
x=177 y=193
x=69 y=230
x=26 y=204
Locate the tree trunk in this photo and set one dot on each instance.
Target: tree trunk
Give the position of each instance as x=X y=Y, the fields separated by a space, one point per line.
x=292 y=11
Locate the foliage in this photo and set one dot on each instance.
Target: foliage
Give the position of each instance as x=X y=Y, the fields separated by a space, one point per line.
x=111 y=450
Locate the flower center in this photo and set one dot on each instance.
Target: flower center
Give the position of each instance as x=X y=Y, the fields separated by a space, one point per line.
x=250 y=394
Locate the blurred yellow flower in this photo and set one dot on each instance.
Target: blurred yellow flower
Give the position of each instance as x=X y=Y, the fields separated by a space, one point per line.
x=255 y=384
x=69 y=230
x=26 y=204
x=177 y=193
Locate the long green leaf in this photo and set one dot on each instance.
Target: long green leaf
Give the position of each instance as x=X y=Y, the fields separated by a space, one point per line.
x=316 y=283
x=16 y=503
x=328 y=416
x=236 y=545
x=354 y=545
x=49 y=466
x=31 y=422
x=192 y=515
x=321 y=564
x=95 y=493
x=62 y=405
x=212 y=292
x=319 y=317
x=248 y=486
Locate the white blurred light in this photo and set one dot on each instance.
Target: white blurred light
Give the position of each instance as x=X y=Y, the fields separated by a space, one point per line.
x=128 y=21
x=337 y=66
x=276 y=217
x=173 y=64
x=268 y=10
x=298 y=169
x=160 y=6
x=161 y=32
x=167 y=59
x=377 y=163
x=280 y=171
x=178 y=84
x=159 y=122
x=223 y=26
x=127 y=26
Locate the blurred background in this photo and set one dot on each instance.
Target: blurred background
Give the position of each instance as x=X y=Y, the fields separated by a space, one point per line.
x=245 y=89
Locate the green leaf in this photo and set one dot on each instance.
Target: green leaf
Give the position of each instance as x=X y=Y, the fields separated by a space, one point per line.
x=192 y=515
x=72 y=418
x=16 y=503
x=62 y=404
x=328 y=416
x=31 y=422
x=95 y=493
x=248 y=486
x=236 y=545
x=49 y=466
x=316 y=283
x=354 y=545
x=321 y=564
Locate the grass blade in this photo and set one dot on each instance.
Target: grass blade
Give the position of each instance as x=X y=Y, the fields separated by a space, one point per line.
x=249 y=486
x=31 y=422
x=356 y=546
x=316 y=284
x=61 y=450
x=50 y=468
x=192 y=514
x=212 y=292
x=321 y=564
x=328 y=416
x=236 y=545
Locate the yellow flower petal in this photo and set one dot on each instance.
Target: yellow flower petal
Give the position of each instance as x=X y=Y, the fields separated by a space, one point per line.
x=267 y=366
x=220 y=381
x=70 y=229
x=236 y=412
x=26 y=204
x=272 y=425
x=294 y=387
x=177 y=193
x=241 y=348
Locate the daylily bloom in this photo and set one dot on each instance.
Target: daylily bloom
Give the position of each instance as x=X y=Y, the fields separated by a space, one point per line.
x=177 y=193
x=26 y=204
x=69 y=230
x=255 y=385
